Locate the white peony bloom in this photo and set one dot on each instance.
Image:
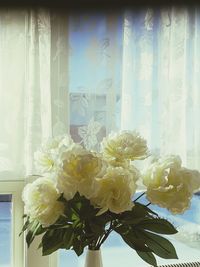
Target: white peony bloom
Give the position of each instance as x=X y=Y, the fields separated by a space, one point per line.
x=169 y=185
x=45 y=161
x=126 y=165
x=40 y=198
x=135 y=172
x=79 y=169
x=57 y=142
x=126 y=145
x=47 y=158
x=114 y=191
x=66 y=185
x=118 y=163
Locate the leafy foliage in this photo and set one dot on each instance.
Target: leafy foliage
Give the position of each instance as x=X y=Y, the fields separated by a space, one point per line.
x=80 y=226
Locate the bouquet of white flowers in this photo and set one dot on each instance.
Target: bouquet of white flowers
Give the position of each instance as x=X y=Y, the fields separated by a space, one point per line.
x=82 y=196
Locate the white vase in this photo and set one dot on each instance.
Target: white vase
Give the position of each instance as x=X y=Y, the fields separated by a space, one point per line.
x=93 y=258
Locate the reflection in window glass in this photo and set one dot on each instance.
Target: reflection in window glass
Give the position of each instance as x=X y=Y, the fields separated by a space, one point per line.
x=5 y=230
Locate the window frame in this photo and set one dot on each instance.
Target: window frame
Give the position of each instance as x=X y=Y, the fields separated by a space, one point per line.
x=21 y=255
x=17 y=242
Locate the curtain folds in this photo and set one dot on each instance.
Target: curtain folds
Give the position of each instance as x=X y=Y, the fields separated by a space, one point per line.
x=91 y=73
x=160 y=92
x=33 y=57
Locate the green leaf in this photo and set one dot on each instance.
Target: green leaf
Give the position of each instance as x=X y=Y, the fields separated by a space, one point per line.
x=75 y=216
x=132 y=238
x=159 y=245
x=132 y=220
x=138 y=213
x=97 y=228
x=68 y=211
x=136 y=243
x=76 y=197
x=87 y=211
x=40 y=230
x=104 y=218
x=122 y=229
x=29 y=238
x=59 y=226
x=98 y=224
x=62 y=199
x=158 y=225
x=25 y=226
x=148 y=210
x=32 y=231
x=51 y=241
x=78 y=246
x=148 y=257
x=68 y=238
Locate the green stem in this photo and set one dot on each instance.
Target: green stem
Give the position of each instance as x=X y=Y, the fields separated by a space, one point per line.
x=93 y=246
x=99 y=241
x=139 y=196
x=106 y=235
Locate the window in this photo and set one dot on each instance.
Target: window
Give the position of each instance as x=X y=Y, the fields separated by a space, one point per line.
x=89 y=73
x=5 y=228
x=11 y=212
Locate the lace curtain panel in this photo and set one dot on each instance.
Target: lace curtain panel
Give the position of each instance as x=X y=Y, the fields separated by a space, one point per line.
x=33 y=85
x=161 y=75
x=91 y=73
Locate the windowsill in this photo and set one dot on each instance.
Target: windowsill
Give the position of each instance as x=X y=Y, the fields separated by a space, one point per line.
x=123 y=255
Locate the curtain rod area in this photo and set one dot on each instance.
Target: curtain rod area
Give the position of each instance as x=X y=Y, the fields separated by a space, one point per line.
x=76 y=5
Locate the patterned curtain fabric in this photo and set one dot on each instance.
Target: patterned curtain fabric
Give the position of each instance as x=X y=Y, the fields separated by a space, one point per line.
x=161 y=77
x=33 y=85
x=92 y=73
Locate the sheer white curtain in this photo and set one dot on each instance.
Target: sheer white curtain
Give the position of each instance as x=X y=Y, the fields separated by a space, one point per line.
x=161 y=79
x=33 y=87
x=90 y=73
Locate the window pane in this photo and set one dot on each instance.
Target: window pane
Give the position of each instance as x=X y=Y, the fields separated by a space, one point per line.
x=96 y=45
x=5 y=230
